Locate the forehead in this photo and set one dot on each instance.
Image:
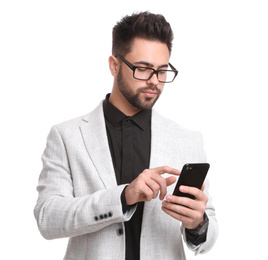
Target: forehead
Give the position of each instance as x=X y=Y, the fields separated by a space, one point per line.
x=154 y=52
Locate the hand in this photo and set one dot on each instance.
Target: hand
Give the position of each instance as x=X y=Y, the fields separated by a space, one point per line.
x=190 y=212
x=149 y=183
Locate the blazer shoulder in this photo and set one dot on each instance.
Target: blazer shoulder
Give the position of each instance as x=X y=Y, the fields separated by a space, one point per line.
x=173 y=126
x=76 y=123
x=183 y=145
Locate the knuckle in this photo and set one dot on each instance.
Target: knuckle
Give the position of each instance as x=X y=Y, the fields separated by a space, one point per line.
x=166 y=168
x=189 y=223
x=146 y=172
x=197 y=192
x=155 y=195
x=139 y=181
x=190 y=203
x=142 y=175
x=182 y=210
x=156 y=188
x=162 y=181
x=203 y=208
x=199 y=215
x=149 y=195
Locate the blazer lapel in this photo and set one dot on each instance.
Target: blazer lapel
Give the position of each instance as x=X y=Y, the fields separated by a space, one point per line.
x=96 y=142
x=159 y=141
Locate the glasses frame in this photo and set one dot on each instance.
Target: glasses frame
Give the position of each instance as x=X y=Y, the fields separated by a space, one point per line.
x=133 y=68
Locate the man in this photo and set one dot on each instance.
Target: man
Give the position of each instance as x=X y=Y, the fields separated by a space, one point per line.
x=106 y=175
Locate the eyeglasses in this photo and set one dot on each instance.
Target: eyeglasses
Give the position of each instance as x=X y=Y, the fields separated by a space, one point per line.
x=145 y=73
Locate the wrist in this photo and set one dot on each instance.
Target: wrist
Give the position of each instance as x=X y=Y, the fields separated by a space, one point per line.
x=202 y=227
x=128 y=198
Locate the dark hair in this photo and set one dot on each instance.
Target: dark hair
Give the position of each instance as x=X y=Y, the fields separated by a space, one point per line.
x=142 y=25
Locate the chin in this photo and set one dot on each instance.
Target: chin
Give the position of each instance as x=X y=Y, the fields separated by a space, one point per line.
x=148 y=103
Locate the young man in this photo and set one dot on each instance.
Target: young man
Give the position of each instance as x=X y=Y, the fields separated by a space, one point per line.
x=106 y=175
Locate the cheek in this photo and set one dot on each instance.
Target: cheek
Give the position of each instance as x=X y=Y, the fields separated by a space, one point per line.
x=133 y=83
x=127 y=73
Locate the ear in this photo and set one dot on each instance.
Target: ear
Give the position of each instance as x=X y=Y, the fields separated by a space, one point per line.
x=114 y=65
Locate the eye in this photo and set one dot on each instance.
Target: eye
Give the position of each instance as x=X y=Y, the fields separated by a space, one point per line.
x=162 y=72
x=141 y=69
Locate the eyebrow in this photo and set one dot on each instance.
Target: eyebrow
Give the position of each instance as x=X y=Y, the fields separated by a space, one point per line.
x=150 y=64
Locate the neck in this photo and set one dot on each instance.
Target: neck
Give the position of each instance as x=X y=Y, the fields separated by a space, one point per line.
x=119 y=101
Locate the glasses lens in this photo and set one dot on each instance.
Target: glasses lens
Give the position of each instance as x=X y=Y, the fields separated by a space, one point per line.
x=166 y=76
x=143 y=73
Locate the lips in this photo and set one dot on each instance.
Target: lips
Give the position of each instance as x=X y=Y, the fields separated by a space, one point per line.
x=150 y=94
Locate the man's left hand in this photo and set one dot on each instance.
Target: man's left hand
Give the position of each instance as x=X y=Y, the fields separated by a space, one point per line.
x=190 y=212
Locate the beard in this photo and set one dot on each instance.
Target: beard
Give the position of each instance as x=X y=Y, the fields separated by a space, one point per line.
x=136 y=98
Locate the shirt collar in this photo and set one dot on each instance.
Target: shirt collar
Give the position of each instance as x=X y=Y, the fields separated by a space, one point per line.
x=115 y=116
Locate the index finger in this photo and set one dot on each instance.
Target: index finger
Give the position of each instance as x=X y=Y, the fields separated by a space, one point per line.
x=166 y=169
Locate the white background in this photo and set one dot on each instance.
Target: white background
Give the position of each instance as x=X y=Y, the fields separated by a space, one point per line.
x=54 y=66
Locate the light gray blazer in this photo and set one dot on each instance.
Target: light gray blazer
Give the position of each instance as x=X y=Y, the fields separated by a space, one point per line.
x=79 y=197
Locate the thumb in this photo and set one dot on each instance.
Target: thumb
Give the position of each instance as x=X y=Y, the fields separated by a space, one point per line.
x=170 y=180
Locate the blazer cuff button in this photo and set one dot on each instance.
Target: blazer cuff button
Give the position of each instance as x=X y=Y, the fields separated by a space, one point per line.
x=119 y=231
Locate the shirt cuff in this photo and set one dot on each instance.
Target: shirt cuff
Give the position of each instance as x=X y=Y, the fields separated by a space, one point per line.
x=125 y=207
x=194 y=238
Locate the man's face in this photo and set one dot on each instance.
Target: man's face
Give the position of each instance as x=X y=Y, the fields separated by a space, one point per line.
x=152 y=54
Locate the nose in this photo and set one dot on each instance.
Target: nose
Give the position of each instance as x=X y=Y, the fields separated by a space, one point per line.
x=153 y=80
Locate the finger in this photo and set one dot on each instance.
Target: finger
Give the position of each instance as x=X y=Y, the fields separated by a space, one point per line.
x=146 y=193
x=198 y=194
x=179 y=209
x=162 y=185
x=166 y=169
x=170 y=180
x=182 y=201
x=173 y=214
x=186 y=221
x=203 y=187
x=154 y=186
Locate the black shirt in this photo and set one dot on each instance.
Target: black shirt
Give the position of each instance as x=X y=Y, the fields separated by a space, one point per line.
x=130 y=143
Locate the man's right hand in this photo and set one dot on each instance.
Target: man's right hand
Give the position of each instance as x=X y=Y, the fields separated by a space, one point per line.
x=149 y=183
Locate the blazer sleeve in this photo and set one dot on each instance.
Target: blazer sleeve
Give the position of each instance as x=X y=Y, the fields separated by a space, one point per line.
x=212 y=232
x=58 y=212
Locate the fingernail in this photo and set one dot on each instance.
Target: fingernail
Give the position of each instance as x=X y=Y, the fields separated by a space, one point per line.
x=169 y=198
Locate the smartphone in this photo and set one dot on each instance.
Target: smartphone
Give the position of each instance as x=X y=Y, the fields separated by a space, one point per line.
x=193 y=175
